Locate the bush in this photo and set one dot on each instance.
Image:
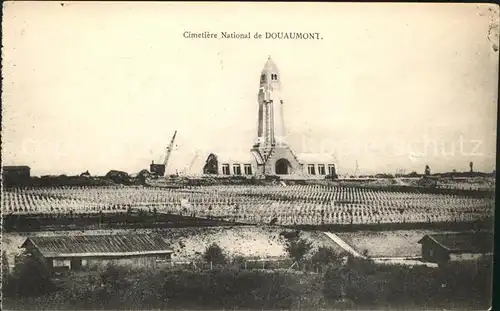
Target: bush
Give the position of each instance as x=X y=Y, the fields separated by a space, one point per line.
x=359 y=284
x=297 y=249
x=290 y=235
x=29 y=277
x=295 y=246
x=467 y=285
x=176 y=288
x=333 y=284
x=238 y=261
x=324 y=257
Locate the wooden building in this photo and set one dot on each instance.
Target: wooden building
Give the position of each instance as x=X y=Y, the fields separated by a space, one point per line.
x=75 y=252
x=16 y=175
x=448 y=247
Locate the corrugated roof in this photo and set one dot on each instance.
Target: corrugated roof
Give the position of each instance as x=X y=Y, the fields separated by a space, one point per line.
x=473 y=242
x=99 y=245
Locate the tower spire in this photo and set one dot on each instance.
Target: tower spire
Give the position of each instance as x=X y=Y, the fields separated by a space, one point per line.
x=271 y=129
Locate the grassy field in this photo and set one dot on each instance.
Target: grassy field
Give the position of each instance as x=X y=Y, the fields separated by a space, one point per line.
x=397 y=243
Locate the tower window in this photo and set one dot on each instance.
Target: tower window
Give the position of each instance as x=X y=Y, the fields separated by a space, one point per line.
x=225 y=169
x=236 y=169
x=263 y=77
x=248 y=169
x=311 y=170
x=321 y=169
x=274 y=77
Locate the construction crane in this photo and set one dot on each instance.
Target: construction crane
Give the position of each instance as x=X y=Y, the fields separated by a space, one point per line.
x=169 y=150
x=194 y=159
x=356 y=170
x=187 y=168
x=159 y=169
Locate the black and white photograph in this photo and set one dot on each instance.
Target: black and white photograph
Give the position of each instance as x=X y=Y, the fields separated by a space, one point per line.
x=248 y=155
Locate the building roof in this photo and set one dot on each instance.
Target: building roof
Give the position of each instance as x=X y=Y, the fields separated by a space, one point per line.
x=249 y=157
x=270 y=66
x=316 y=158
x=99 y=245
x=236 y=157
x=463 y=242
x=15 y=167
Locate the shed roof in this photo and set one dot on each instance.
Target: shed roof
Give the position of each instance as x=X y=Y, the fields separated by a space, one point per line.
x=15 y=167
x=99 y=245
x=463 y=242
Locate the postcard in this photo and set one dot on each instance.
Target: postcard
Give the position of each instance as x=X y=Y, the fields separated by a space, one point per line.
x=256 y=156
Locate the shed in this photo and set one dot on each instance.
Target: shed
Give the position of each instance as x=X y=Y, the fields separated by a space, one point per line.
x=76 y=251
x=15 y=175
x=456 y=246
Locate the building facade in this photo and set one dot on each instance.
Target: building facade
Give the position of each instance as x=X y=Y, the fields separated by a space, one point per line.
x=271 y=154
x=461 y=246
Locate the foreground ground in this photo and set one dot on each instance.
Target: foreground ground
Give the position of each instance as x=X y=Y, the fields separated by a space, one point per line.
x=189 y=243
x=365 y=284
x=393 y=243
x=264 y=242
x=357 y=284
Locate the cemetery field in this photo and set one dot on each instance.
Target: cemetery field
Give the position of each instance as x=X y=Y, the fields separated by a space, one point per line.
x=252 y=204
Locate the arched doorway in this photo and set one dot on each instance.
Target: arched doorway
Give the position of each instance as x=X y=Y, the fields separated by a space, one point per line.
x=283 y=167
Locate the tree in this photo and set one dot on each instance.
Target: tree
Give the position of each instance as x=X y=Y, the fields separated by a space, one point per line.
x=325 y=256
x=298 y=248
x=29 y=277
x=215 y=255
x=290 y=235
x=471 y=165
x=427 y=170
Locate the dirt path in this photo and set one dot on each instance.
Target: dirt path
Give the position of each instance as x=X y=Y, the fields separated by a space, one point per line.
x=410 y=261
x=343 y=244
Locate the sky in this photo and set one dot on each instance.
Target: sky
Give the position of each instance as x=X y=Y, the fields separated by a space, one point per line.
x=101 y=86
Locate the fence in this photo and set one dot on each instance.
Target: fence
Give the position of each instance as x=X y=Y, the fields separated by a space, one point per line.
x=250 y=264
